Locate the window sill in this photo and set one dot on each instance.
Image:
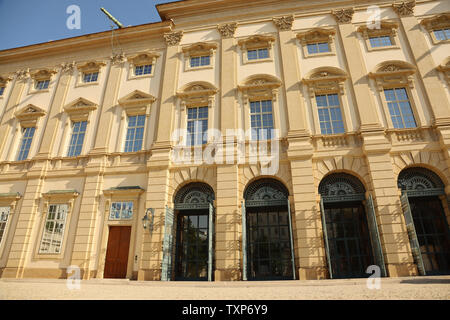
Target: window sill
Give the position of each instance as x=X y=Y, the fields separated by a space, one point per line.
x=86 y=84
x=144 y=76
x=321 y=54
x=371 y=49
x=258 y=60
x=199 y=68
x=34 y=91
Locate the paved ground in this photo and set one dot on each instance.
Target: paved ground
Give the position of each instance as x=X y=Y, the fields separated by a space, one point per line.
x=391 y=288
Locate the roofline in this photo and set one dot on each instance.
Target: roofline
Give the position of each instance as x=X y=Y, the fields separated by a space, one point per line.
x=87 y=39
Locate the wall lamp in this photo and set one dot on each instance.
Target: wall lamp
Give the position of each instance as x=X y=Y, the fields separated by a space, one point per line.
x=145 y=219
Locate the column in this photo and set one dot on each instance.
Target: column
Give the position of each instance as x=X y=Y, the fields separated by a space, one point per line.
x=228 y=214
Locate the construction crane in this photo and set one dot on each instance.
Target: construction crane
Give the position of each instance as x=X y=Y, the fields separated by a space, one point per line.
x=112 y=18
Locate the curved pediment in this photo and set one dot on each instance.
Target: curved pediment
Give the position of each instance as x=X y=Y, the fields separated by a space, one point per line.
x=260 y=81
x=326 y=73
x=197 y=88
x=394 y=66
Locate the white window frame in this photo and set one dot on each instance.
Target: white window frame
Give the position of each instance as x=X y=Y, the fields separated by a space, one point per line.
x=63 y=221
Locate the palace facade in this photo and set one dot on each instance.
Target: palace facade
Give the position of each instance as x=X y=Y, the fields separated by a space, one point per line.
x=233 y=140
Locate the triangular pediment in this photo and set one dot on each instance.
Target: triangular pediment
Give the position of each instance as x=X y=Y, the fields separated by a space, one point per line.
x=137 y=97
x=30 y=109
x=79 y=109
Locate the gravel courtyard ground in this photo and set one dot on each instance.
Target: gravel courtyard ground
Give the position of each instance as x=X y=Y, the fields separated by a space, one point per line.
x=434 y=288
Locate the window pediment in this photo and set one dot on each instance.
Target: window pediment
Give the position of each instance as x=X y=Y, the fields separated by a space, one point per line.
x=146 y=57
x=260 y=87
x=256 y=41
x=91 y=66
x=393 y=73
x=198 y=93
x=127 y=192
x=136 y=102
x=42 y=74
x=4 y=80
x=29 y=115
x=445 y=69
x=437 y=22
x=200 y=48
x=325 y=80
x=79 y=109
x=10 y=199
x=316 y=35
x=386 y=29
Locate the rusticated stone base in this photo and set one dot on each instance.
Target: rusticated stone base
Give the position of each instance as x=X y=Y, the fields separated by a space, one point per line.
x=402 y=270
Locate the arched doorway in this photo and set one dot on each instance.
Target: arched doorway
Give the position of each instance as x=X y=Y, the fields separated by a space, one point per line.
x=191 y=222
x=267 y=232
x=350 y=229
x=428 y=230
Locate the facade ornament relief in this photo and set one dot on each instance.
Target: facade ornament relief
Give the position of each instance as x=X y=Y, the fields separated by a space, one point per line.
x=284 y=23
x=22 y=74
x=117 y=58
x=67 y=67
x=227 y=30
x=344 y=15
x=173 y=38
x=404 y=9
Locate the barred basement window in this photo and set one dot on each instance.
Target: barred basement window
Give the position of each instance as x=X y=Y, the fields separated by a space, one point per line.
x=135 y=133
x=52 y=237
x=27 y=138
x=121 y=210
x=76 y=141
x=4 y=215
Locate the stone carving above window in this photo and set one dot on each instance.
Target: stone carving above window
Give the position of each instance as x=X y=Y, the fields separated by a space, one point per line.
x=29 y=115
x=260 y=86
x=199 y=93
x=257 y=42
x=22 y=74
x=4 y=80
x=391 y=73
x=117 y=58
x=405 y=8
x=325 y=80
x=199 y=49
x=173 y=38
x=343 y=15
x=284 y=23
x=445 y=69
x=67 y=67
x=137 y=102
x=79 y=109
x=438 y=22
x=387 y=29
x=227 y=30
x=317 y=35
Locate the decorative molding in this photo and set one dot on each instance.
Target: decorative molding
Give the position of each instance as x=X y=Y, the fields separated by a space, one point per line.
x=386 y=29
x=256 y=41
x=145 y=57
x=90 y=66
x=117 y=58
x=136 y=102
x=29 y=115
x=4 y=80
x=437 y=22
x=173 y=38
x=22 y=74
x=317 y=35
x=326 y=80
x=344 y=15
x=42 y=74
x=10 y=199
x=393 y=73
x=67 y=67
x=199 y=48
x=128 y=192
x=79 y=109
x=284 y=23
x=227 y=30
x=445 y=69
x=260 y=86
x=199 y=93
x=404 y=9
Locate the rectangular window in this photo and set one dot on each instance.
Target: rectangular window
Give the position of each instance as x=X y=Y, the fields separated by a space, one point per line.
x=442 y=34
x=121 y=211
x=76 y=141
x=382 y=41
x=4 y=215
x=135 y=133
x=261 y=119
x=53 y=234
x=319 y=47
x=400 y=108
x=197 y=125
x=25 y=144
x=200 y=61
x=42 y=84
x=2 y=89
x=330 y=116
x=90 y=77
x=258 y=54
x=143 y=69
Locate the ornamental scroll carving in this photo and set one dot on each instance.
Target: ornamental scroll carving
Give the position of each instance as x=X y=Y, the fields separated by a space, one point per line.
x=343 y=15
x=118 y=58
x=67 y=67
x=227 y=30
x=173 y=38
x=405 y=8
x=22 y=74
x=284 y=23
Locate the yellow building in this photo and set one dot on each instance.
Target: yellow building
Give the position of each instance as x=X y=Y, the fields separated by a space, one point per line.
x=234 y=140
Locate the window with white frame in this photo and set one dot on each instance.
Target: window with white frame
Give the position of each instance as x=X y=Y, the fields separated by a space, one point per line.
x=257 y=54
x=90 y=77
x=318 y=47
x=261 y=119
x=200 y=61
x=25 y=144
x=76 y=141
x=4 y=215
x=122 y=210
x=41 y=84
x=53 y=234
x=330 y=116
x=400 y=108
x=197 y=125
x=380 y=41
x=135 y=133
x=143 y=69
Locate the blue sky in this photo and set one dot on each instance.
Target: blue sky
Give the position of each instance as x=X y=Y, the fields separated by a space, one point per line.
x=25 y=22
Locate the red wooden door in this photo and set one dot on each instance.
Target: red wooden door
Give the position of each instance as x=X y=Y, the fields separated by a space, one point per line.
x=117 y=252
